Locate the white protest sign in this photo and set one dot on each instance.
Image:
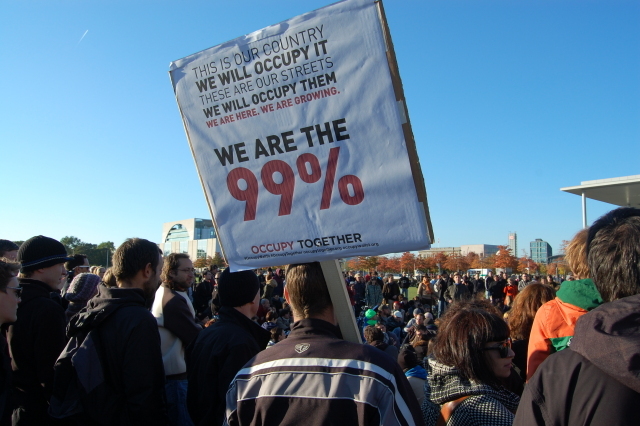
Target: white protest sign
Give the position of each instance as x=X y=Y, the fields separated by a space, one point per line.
x=298 y=141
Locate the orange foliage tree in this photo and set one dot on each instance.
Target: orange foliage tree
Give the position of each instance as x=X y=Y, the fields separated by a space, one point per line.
x=526 y=263
x=407 y=262
x=426 y=264
x=457 y=262
x=473 y=260
x=504 y=259
x=370 y=263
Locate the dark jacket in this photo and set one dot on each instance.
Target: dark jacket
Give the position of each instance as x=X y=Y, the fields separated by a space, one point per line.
x=35 y=341
x=478 y=286
x=314 y=378
x=496 y=289
x=216 y=356
x=130 y=355
x=5 y=383
x=457 y=292
x=390 y=290
x=596 y=380
x=201 y=297
x=443 y=285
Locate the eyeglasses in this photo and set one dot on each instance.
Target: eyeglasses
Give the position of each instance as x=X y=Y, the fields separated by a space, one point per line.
x=187 y=270
x=503 y=347
x=18 y=291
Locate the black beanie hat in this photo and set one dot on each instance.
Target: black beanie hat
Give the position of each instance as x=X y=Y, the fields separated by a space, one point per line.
x=237 y=288
x=41 y=252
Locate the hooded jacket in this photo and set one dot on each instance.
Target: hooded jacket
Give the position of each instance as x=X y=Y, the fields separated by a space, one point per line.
x=596 y=381
x=130 y=357
x=555 y=320
x=485 y=405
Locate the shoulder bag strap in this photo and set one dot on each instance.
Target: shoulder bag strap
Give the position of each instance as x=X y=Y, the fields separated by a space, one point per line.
x=447 y=409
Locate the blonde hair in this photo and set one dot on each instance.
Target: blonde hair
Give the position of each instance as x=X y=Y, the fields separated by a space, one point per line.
x=576 y=254
x=307 y=290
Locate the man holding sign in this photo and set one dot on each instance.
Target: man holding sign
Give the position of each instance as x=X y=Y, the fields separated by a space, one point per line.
x=314 y=377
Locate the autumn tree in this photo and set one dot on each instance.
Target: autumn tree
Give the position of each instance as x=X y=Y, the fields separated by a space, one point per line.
x=203 y=262
x=486 y=261
x=473 y=260
x=370 y=263
x=407 y=262
x=527 y=264
x=456 y=262
x=504 y=259
x=354 y=264
x=426 y=264
x=219 y=260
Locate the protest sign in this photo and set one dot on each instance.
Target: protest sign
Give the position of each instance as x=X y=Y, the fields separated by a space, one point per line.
x=302 y=147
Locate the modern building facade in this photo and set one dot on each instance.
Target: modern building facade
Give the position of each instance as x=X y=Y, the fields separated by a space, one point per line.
x=513 y=243
x=482 y=250
x=196 y=237
x=540 y=251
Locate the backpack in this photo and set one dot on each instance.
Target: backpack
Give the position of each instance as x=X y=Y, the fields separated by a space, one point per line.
x=80 y=391
x=78 y=372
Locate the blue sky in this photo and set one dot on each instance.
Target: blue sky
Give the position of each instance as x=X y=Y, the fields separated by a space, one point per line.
x=509 y=102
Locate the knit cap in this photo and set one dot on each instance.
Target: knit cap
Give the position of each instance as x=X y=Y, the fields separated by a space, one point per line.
x=237 y=288
x=83 y=287
x=41 y=252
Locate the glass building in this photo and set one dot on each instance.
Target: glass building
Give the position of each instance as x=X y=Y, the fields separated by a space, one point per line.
x=540 y=251
x=195 y=237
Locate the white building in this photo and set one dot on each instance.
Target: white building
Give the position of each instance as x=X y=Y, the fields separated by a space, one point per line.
x=196 y=237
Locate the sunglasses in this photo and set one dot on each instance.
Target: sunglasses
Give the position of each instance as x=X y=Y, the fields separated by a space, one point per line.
x=18 y=291
x=503 y=347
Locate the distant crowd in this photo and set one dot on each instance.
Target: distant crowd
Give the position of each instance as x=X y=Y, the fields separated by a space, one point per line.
x=151 y=341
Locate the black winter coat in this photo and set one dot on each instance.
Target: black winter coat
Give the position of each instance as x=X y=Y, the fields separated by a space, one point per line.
x=35 y=341
x=219 y=352
x=130 y=355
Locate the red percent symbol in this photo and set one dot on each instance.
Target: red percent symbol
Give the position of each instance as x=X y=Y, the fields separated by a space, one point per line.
x=347 y=185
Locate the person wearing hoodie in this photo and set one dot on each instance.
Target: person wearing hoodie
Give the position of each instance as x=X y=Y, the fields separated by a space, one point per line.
x=596 y=380
x=555 y=321
x=128 y=342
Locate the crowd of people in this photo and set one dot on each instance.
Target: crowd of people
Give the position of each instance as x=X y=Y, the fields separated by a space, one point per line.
x=150 y=341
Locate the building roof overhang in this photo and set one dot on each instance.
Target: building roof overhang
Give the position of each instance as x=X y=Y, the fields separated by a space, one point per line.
x=622 y=191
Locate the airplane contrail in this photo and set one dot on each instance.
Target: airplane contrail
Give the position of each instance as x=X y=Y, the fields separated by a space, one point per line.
x=85 y=33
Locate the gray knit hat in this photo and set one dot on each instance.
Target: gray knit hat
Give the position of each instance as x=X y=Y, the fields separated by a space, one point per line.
x=83 y=287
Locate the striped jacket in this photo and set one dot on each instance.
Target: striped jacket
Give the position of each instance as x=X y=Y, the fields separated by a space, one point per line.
x=315 y=378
